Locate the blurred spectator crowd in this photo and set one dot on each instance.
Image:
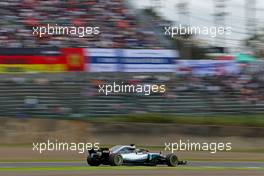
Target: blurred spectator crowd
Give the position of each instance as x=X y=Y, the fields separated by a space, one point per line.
x=76 y=94
x=118 y=25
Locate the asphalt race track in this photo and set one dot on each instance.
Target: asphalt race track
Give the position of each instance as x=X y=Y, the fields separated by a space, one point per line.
x=194 y=168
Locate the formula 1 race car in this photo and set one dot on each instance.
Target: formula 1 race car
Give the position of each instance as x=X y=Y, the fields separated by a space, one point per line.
x=130 y=155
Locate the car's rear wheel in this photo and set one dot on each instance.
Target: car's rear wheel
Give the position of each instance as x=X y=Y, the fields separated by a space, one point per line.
x=172 y=160
x=92 y=162
x=116 y=160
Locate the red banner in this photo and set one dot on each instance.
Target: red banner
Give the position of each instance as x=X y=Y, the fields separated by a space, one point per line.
x=74 y=58
x=32 y=60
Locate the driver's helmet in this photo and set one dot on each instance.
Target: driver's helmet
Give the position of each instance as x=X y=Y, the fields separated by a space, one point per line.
x=133 y=146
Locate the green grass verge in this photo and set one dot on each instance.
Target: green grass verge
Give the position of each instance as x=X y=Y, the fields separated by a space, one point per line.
x=110 y=168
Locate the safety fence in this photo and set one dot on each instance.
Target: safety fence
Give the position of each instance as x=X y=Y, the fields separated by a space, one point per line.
x=76 y=95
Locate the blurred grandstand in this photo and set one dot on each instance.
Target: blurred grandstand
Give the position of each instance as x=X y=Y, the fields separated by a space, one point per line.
x=118 y=25
x=76 y=94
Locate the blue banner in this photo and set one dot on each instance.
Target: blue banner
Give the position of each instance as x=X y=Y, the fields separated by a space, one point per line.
x=130 y=60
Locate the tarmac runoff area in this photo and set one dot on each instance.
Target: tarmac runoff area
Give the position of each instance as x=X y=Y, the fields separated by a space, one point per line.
x=197 y=168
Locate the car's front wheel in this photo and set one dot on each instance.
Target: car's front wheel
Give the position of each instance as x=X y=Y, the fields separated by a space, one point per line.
x=116 y=160
x=172 y=160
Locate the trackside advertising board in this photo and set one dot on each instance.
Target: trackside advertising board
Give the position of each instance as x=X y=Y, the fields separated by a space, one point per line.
x=31 y=60
x=28 y=60
x=130 y=60
x=108 y=60
x=207 y=67
x=148 y=60
x=102 y=60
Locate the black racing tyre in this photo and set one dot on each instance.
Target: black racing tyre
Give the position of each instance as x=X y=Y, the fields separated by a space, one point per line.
x=116 y=160
x=172 y=160
x=92 y=162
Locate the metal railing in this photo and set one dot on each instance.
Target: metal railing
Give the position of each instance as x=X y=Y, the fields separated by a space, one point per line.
x=76 y=95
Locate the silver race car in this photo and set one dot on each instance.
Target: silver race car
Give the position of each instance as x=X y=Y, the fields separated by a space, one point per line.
x=130 y=155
